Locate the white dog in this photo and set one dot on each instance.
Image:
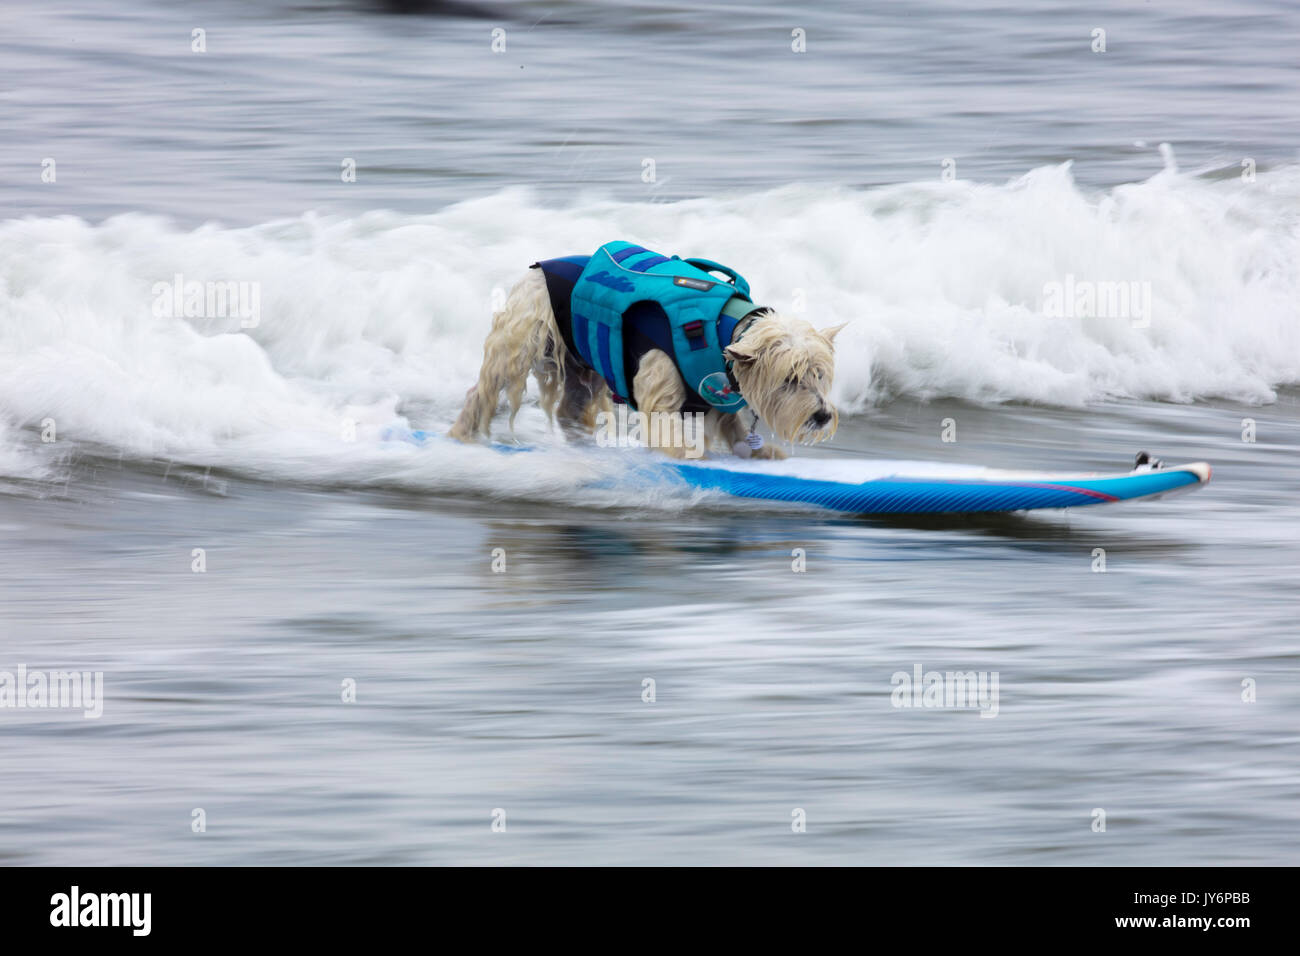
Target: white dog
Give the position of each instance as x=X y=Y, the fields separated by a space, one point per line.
x=663 y=335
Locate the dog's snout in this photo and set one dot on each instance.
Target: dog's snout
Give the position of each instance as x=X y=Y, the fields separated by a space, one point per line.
x=821 y=417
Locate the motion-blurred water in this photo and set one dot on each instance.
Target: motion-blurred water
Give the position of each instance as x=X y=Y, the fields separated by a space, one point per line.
x=128 y=439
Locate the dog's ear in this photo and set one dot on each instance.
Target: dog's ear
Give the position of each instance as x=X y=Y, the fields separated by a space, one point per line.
x=740 y=353
x=830 y=333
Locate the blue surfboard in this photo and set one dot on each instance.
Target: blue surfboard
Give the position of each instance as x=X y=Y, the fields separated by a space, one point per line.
x=910 y=487
x=881 y=487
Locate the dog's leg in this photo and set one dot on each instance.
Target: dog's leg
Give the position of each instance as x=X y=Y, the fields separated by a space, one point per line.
x=658 y=390
x=524 y=338
x=585 y=396
x=602 y=401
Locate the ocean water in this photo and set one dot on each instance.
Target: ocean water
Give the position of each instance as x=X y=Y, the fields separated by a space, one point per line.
x=643 y=676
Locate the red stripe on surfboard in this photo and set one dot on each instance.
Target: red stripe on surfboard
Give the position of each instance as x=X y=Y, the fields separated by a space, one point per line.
x=1100 y=495
x=1078 y=491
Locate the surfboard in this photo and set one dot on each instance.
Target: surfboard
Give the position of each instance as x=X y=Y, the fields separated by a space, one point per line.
x=899 y=487
x=918 y=487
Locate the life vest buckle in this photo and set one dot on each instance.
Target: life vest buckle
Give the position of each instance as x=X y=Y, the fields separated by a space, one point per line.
x=694 y=332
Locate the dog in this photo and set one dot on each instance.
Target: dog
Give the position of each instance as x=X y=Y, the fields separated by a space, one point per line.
x=664 y=336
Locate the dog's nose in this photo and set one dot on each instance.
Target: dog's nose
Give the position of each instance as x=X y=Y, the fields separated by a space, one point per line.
x=821 y=417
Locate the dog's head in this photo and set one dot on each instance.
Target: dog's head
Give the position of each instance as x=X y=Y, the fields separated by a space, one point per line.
x=784 y=368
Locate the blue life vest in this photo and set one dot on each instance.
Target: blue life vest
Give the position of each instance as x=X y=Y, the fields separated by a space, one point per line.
x=620 y=303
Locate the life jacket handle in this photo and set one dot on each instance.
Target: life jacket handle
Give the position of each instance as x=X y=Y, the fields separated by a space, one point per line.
x=708 y=265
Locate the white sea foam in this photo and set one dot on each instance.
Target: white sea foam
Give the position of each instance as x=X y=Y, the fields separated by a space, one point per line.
x=943 y=285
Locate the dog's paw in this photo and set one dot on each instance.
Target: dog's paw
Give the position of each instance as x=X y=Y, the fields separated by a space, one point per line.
x=672 y=451
x=770 y=452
